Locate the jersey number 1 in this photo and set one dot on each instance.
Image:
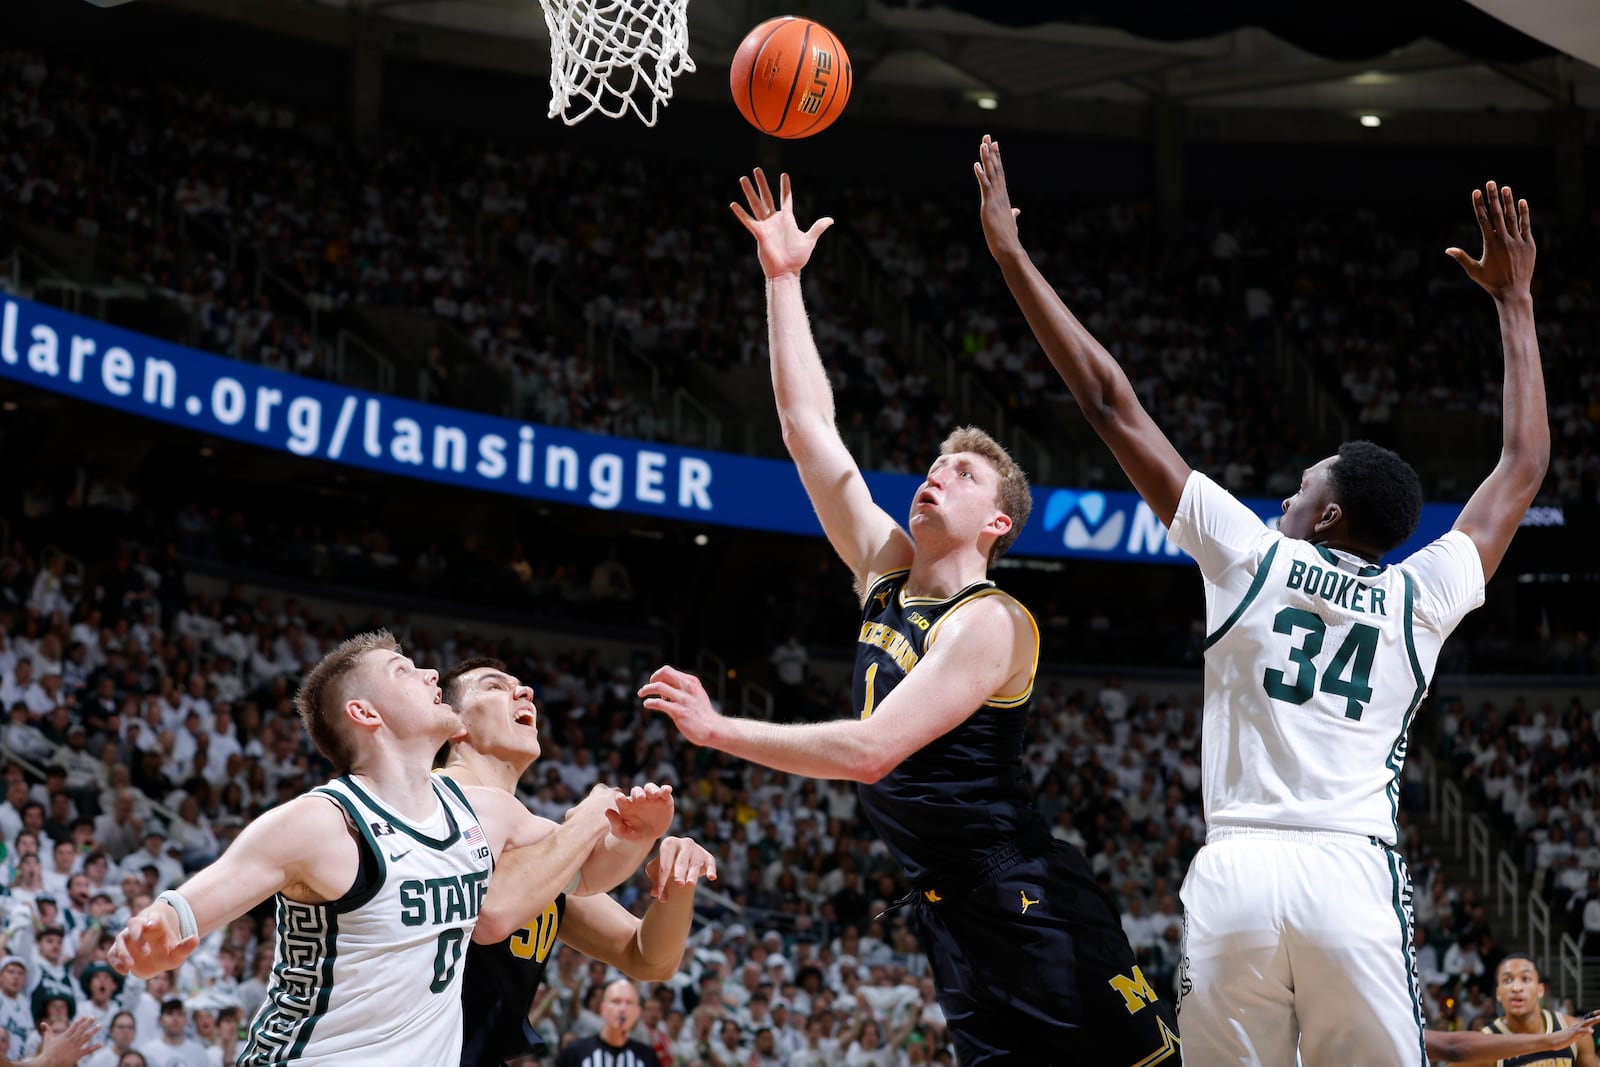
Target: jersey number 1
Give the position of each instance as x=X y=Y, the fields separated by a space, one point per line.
x=1349 y=673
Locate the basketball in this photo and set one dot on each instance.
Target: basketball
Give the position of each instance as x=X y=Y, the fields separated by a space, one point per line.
x=790 y=77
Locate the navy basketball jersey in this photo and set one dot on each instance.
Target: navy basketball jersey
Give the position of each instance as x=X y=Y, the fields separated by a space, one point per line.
x=498 y=987
x=1560 y=1058
x=961 y=794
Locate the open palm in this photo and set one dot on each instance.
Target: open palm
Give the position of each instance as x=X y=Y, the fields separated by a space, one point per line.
x=782 y=246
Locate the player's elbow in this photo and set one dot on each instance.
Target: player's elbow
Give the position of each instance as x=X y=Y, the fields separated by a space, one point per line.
x=493 y=927
x=872 y=767
x=646 y=970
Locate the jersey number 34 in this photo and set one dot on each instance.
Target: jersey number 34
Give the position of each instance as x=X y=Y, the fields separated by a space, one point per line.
x=1347 y=675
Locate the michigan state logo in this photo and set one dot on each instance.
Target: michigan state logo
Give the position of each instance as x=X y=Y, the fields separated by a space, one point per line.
x=1084 y=520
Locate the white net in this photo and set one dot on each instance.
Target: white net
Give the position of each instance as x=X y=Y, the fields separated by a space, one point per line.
x=615 y=56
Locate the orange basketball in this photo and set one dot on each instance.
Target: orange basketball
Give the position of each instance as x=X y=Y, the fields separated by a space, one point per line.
x=790 y=77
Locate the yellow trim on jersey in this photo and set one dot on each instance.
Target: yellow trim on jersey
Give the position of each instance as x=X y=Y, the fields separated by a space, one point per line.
x=1168 y=1049
x=1017 y=699
x=885 y=576
x=906 y=601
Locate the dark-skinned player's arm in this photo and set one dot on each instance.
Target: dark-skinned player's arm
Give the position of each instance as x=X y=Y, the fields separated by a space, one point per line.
x=1097 y=381
x=865 y=537
x=1505 y=271
x=1485 y=1050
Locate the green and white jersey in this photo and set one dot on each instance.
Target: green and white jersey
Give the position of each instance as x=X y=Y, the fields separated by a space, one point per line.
x=374 y=977
x=1315 y=664
x=16 y=1022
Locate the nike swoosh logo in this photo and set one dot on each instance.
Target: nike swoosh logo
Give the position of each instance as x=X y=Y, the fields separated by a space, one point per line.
x=398 y=856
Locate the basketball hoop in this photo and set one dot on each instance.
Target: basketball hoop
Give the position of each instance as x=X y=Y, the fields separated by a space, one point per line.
x=613 y=56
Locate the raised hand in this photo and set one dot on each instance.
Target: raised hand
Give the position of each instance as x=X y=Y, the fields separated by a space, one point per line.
x=599 y=806
x=644 y=813
x=150 y=944
x=999 y=218
x=680 y=695
x=1505 y=268
x=1582 y=1029
x=68 y=1045
x=680 y=862
x=780 y=243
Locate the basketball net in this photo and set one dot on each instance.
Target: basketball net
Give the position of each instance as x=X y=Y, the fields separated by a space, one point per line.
x=615 y=56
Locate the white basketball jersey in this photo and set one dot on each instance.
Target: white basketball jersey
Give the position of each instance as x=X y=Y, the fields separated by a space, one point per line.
x=374 y=978
x=1315 y=664
x=16 y=1022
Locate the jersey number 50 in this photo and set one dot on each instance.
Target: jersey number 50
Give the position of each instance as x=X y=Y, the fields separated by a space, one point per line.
x=1348 y=674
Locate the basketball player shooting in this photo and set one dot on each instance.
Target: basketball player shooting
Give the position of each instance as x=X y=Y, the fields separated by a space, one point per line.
x=1298 y=909
x=1029 y=955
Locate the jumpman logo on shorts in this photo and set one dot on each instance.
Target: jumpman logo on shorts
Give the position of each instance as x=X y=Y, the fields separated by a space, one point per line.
x=1025 y=900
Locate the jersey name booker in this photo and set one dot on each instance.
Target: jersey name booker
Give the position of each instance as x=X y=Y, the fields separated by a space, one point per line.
x=373 y=978
x=1315 y=664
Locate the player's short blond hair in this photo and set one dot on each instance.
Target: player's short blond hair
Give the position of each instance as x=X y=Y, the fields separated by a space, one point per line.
x=327 y=687
x=1013 y=495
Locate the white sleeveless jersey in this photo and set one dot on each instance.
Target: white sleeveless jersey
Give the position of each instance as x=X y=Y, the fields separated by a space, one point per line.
x=16 y=1022
x=374 y=978
x=1315 y=664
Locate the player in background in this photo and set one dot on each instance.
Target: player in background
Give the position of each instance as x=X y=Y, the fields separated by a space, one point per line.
x=1028 y=953
x=1567 y=1042
x=1298 y=910
x=498 y=990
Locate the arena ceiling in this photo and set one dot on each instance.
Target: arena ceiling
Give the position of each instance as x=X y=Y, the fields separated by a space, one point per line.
x=1031 y=56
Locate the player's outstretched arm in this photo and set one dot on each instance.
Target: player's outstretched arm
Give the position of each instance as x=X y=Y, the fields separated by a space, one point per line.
x=1505 y=271
x=1098 y=383
x=650 y=948
x=863 y=535
x=985 y=649
x=303 y=848
x=536 y=860
x=1483 y=1050
x=638 y=819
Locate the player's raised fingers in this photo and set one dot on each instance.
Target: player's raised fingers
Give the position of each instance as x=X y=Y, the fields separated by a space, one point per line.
x=1497 y=219
x=784 y=192
x=766 y=190
x=743 y=216
x=1524 y=219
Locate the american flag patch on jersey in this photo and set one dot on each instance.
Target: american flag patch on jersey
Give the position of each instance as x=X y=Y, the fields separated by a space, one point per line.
x=474 y=834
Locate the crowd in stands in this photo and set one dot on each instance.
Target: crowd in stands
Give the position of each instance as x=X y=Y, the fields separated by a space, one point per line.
x=161 y=721
x=214 y=188
x=1533 y=772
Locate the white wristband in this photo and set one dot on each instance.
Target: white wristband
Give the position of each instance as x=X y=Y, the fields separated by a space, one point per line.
x=187 y=927
x=572 y=886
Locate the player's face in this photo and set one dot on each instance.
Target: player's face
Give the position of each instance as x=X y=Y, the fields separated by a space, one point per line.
x=408 y=697
x=1302 y=511
x=959 y=496
x=1519 y=990
x=499 y=713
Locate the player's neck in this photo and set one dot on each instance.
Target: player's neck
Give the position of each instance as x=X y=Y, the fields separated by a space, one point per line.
x=944 y=574
x=471 y=767
x=1526 y=1024
x=403 y=784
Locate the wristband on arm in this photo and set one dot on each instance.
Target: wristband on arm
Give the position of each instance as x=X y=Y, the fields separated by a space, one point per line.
x=187 y=927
